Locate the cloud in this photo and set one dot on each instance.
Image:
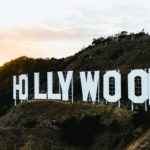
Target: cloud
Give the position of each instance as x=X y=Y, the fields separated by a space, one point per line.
x=42 y=41
x=45 y=34
x=112 y=16
x=41 y=28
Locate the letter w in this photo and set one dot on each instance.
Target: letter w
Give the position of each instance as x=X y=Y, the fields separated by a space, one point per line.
x=88 y=85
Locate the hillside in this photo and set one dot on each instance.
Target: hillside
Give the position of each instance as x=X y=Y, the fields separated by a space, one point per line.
x=141 y=143
x=122 y=51
x=55 y=125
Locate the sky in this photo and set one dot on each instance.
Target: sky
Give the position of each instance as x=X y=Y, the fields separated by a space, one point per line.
x=60 y=28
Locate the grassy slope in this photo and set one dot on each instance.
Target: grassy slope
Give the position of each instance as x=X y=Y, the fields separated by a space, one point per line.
x=143 y=142
x=56 y=125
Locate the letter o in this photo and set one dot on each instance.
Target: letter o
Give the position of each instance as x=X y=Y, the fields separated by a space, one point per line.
x=144 y=86
x=117 y=86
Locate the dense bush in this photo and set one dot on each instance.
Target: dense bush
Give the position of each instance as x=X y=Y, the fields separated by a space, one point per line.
x=81 y=132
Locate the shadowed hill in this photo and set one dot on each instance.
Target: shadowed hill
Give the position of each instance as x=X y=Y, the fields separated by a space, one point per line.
x=143 y=142
x=56 y=125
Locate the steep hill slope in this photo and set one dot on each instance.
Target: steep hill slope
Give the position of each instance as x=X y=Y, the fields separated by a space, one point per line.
x=55 y=125
x=44 y=125
x=142 y=143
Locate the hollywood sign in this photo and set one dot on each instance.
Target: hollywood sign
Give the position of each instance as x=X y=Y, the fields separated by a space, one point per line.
x=138 y=87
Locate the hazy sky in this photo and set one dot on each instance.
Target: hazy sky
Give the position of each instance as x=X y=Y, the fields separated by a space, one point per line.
x=59 y=28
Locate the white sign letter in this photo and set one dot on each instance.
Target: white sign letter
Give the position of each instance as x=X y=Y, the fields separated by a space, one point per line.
x=89 y=86
x=138 y=86
x=23 y=94
x=37 y=95
x=112 y=86
x=65 y=84
x=51 y=95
